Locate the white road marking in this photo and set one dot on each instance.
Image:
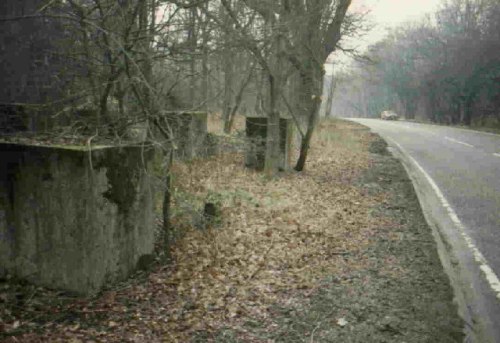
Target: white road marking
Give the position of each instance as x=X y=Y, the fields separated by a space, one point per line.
x=457 y=128
x=458 y=142
x=409 y=127
x=490 y=275
x=480 y=132
x=495 y=154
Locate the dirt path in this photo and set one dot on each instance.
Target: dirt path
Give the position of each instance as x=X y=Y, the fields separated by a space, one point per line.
x=340 y=253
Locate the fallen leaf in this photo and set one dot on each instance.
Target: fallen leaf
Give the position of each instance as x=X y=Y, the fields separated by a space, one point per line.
x=341 y=322
x=15 y=325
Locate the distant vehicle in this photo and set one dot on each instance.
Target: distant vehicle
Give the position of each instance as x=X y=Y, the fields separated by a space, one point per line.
x=389 y=115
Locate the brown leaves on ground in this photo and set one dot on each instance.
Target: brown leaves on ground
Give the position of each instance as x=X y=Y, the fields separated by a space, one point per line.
x=276 y=241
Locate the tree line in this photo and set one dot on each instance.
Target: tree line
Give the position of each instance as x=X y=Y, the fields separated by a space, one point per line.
x=116 y=64
x=444 y=68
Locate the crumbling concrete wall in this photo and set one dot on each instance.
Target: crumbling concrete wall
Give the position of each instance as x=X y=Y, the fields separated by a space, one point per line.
x=256 y=132
x=73 y=219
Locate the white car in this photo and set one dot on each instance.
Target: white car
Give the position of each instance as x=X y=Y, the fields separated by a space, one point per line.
x=389 y=115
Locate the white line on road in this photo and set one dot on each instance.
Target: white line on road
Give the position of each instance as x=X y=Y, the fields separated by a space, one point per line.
x=479 y=132
x=490 y=275
x=459 y=142
x=495 y=154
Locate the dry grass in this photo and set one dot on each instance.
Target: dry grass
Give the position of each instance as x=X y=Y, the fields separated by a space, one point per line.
x=276 y=240
x=215 y=124
x=276 y=236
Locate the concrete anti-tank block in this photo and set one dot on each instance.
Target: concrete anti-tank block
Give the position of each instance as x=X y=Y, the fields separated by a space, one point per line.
x=256 y=134
x=74 y=219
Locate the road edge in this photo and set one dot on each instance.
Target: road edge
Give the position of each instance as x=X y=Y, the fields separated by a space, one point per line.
x=475 y=328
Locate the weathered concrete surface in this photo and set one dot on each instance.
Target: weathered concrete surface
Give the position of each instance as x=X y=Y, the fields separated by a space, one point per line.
x=73 y=219
x=256 y=132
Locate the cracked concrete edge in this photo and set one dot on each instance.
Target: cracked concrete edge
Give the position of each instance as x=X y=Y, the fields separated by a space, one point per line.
x=452 y=251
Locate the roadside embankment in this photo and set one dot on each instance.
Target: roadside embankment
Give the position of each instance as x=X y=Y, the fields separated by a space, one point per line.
x=338 y=253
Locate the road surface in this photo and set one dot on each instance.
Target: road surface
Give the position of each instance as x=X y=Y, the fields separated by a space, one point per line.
x=456 y=173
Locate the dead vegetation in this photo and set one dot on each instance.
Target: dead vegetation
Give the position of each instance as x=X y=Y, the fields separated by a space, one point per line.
x=275 y=237
x=273 y=244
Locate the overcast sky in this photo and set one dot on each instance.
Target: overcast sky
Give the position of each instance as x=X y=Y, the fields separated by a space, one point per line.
x=385 y=14
x=390 y=13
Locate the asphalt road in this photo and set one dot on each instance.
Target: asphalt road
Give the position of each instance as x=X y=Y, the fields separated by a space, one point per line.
x=456 y=173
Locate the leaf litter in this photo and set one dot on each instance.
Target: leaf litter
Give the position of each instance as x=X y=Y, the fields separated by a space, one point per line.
x=275 y=244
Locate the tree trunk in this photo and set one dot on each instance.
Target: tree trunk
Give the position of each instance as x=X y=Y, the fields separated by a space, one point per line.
x=192 y=38
x=312 y=86
x=228 y=88
x=205 y=70
x=313 y=74
x=306 y=140
x=273 y=130
x=275 y=79
x=228 y=123
x=331 y=93
x=166 y=207
x=259 y=98
x=228 y=68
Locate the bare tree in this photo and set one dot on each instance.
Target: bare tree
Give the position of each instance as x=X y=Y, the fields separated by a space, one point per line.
x=283 y=45
x=444 y=69
x=308 y=48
